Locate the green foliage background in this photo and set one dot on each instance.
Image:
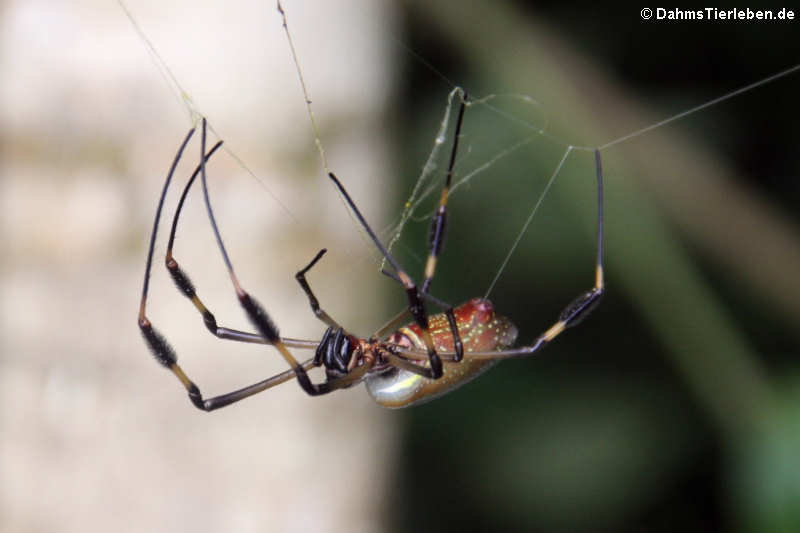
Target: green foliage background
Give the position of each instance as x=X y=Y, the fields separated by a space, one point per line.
x=675 y=405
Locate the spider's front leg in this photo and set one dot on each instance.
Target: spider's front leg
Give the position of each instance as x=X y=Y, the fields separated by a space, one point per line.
x=163 y=352
x=187 y=288
x=415 y=305
x=267 y=331
x=254 y=311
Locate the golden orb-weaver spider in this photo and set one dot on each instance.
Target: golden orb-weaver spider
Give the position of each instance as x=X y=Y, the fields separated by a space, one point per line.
x=401 y=367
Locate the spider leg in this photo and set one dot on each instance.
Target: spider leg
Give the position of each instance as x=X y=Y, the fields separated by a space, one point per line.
x=437 y=233
x=438 y=227
x=161 y=349
x=402 y=359
x=224 y=400
x=167 y=356
x=402 y=363
x=415 y=305
x=312 y=300
x=448 y=312
x=581 y=306
x=185 y=285
x=254 y=311
x=576 y=310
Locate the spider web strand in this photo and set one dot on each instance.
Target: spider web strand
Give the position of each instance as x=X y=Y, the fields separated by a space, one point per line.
x=528 y=221
x=697 y=108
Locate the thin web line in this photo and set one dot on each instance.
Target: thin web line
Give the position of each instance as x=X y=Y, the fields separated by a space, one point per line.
x=430 y=165
x=194 y=112
x=414 y=201
x=710 y=103
x=528 y=221
x=619 y=140
x=428 y=170
x=172 y=82
x=469 y=176
x=423 y=61
x=317 y=139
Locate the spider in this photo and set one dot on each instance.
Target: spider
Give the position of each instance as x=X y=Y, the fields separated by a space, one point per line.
x=418 y=362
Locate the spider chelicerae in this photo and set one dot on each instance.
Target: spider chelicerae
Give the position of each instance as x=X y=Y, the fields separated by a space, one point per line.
x=402 y=365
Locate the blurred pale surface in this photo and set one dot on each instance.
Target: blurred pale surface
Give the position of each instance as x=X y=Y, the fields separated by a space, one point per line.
x=98 y=437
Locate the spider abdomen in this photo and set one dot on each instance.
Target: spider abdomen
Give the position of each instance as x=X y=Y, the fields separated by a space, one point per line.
x=480 y=329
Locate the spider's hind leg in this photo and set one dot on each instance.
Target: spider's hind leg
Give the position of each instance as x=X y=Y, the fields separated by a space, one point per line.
x=585 y=303
x=436 y=233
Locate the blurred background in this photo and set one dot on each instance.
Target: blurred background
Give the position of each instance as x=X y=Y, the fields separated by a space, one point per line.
x=676 y=405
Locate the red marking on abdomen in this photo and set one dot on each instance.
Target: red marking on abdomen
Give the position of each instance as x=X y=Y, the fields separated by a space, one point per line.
x=478 y=326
